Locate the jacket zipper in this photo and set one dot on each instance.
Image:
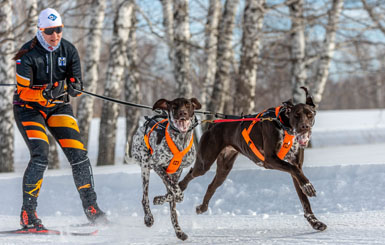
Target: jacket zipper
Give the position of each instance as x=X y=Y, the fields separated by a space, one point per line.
x=51 y=67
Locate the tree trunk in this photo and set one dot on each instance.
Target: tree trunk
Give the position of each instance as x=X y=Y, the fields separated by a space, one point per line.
x=182 y=51
x=211 y=33
x=32 y=19
x=328 y=51
x=168 y=23
x=246 y=85
x=132 y=88
x=92 y=58
x=7 y=74
x=297 y=52
x=222 y=75
x=114 y=83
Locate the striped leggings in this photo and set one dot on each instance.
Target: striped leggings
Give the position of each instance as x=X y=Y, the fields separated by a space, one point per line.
x=33 y=120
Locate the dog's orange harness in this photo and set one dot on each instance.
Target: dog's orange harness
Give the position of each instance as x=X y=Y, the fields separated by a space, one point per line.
x=178 y=155
x=286 y=145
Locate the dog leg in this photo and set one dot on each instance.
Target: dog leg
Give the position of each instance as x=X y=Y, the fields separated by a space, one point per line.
x=183 y=184
x=225 y=163
x=273 y=162
x=174 y=192
x=174 y=220
x=148 y=218
x=207 y=153
x=308 y=213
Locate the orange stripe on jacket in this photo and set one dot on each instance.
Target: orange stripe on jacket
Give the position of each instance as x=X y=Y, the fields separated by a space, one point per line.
x=33 y=124
x=36 y=134
x=69 y=143
x=22 y=80
x=62 y=120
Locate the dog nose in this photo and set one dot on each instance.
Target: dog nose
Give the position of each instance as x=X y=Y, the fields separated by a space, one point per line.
x=182 y=113
x=305 y=126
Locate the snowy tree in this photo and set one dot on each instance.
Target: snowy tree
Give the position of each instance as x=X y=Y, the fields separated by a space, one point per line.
x=297 y=52
x=32 y=16
x=211 y=41
x=246 y=85
x=132 y=90
x=7 y=75
x=224 y=55
x=91 y=65
x=182 y=50
x=176 y=23
x=114 y=82
x=328 y=50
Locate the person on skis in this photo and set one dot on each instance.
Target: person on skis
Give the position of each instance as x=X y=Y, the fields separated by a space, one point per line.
x=47 y=73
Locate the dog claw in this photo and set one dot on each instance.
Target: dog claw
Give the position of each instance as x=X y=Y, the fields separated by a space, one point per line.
x=309 y=190
x=201 y=208
x=181 y=235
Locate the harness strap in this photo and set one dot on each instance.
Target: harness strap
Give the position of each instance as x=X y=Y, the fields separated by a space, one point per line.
x=147 y=136
x=286 y=144
x=178 y=155
x=251 y=144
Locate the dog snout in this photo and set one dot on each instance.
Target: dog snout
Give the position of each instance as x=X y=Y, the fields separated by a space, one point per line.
x=182 y=114
x=305 y=127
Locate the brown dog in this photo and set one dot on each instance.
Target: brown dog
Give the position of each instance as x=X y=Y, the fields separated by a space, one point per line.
x=277 y=141
x=165 y=144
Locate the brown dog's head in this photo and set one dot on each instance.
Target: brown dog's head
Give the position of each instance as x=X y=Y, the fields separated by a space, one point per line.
x=301 y=118
x=180 y=111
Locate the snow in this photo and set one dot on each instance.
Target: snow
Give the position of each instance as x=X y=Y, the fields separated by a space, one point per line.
x=253 y=206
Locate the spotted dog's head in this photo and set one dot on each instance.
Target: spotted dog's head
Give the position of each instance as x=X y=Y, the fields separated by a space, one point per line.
x=180 y=111
x=301 y=117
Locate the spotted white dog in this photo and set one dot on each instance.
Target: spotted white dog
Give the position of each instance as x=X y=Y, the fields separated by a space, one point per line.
x=165 y=144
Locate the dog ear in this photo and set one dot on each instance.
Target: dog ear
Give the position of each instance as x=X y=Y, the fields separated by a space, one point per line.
x=309 y=99
x=288 y=104
x=196 y=103
x=161 y=104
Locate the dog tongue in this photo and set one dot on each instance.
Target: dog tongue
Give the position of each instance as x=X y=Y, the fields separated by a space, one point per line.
x=303 y=139
x=183 y=125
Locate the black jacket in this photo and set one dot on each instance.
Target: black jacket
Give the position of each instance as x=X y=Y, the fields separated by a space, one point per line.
x=38 y=67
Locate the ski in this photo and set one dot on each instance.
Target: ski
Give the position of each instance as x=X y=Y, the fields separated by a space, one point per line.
x=48 y=232
x=83 y=225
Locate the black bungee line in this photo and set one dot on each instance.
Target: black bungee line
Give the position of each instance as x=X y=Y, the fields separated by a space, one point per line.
x=216 y=114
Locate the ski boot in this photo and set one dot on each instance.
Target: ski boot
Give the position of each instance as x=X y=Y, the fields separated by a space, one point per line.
x=29 y=219
x=95 y=215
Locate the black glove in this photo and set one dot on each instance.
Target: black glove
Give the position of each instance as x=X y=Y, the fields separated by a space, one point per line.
x=54 y=90
x=74 y=85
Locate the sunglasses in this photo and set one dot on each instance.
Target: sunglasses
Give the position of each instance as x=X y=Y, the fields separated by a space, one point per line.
x=51 y=30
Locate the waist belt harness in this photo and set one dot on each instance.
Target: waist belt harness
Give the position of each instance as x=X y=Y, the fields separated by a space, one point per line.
x=176 y=161
x=286 y=145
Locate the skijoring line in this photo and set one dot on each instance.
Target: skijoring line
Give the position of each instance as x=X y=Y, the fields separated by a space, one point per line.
x=221 y=115
x=215 y=114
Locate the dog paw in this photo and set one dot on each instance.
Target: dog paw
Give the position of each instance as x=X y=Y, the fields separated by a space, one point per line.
x=148 y=220
x=201 y=208
x=308 y=189
x=179 y=197
x=181 y=235
x=315 y=223
x=159 y=200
